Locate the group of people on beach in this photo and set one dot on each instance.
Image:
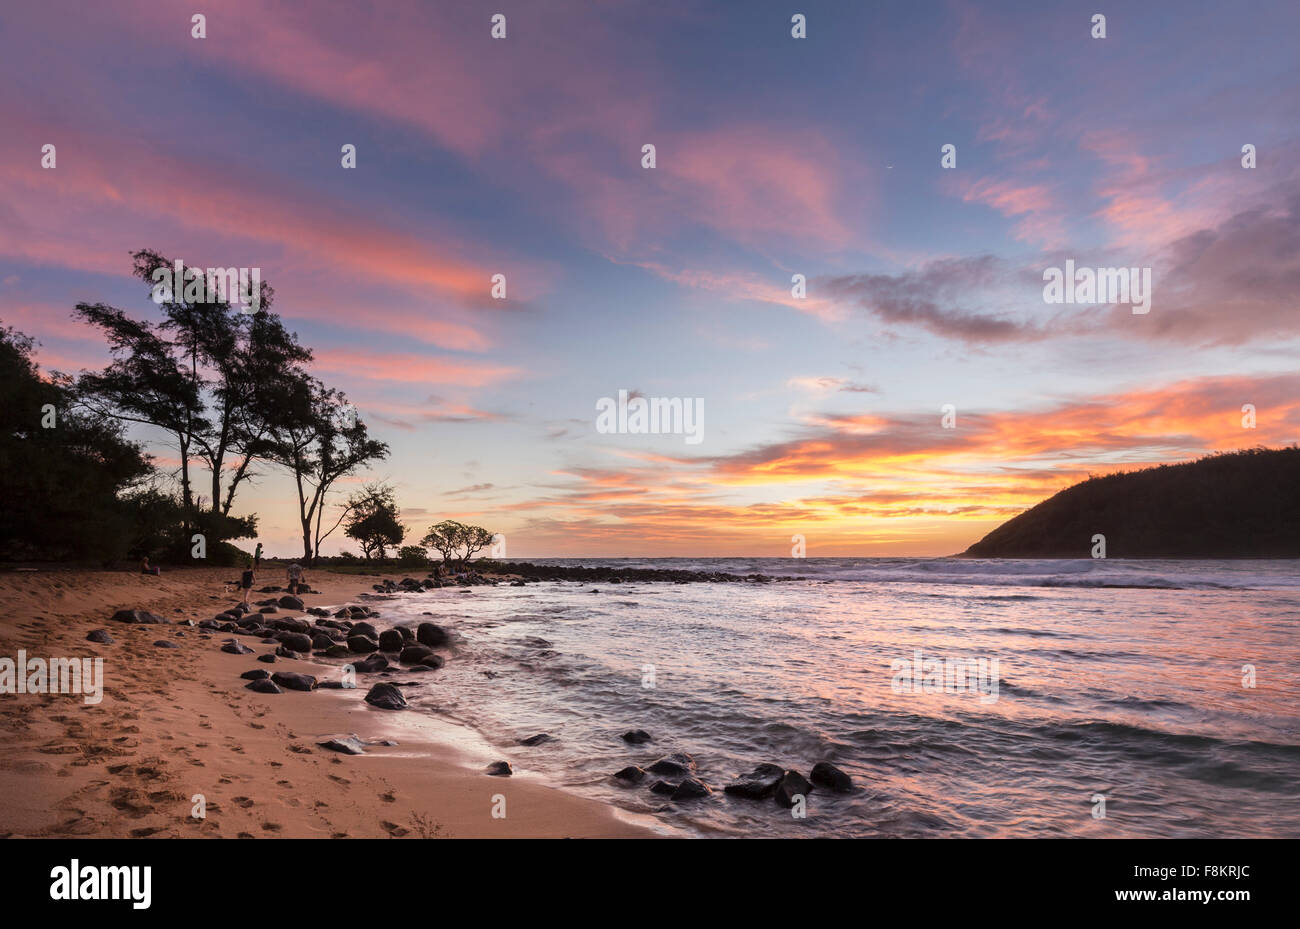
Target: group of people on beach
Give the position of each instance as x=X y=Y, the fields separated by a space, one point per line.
x=297 y=579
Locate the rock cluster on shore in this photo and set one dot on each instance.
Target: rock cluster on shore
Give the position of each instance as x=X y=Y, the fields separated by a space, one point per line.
x=679 y=779
x=349 y=635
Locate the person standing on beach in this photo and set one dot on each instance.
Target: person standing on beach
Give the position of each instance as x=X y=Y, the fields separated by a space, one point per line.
x=257 y=557
x=246 y=581
x=295 y=577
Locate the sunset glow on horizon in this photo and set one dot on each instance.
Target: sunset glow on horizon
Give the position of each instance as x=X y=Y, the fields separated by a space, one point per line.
x=822 y=414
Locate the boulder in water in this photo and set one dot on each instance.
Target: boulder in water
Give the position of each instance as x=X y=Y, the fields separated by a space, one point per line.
x=757 y=784
x=432 y=635
x=793 y=784
x=678 y=764
x=825 y=774
x=690 y=789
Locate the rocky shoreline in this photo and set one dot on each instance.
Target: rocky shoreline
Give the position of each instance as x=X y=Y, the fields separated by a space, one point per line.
x=348 y=640
x=519 y=573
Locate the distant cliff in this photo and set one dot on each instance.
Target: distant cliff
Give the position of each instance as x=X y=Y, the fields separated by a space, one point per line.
x=1238 y=505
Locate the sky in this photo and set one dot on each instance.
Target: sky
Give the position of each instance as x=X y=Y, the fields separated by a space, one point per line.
x=775 y=156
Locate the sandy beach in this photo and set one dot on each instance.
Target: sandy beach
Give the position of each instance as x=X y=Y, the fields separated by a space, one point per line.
x=175 y=723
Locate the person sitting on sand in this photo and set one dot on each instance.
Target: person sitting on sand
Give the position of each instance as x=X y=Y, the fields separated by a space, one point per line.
x=145 y=569
x=295 y=577
x=246 y=581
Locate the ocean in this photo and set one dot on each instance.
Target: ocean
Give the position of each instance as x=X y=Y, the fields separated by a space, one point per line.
x=1142 y=698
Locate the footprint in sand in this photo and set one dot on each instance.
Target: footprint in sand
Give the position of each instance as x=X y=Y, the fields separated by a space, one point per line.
x=395 y=830
x=242 y=802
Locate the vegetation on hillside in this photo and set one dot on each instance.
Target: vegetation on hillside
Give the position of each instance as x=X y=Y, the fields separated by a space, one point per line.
x=1243 y=504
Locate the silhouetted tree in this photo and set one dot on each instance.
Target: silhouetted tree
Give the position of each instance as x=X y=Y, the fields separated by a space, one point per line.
x=63 y=469
x=374 y=520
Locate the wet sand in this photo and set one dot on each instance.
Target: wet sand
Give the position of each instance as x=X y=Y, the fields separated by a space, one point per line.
x=178 y=723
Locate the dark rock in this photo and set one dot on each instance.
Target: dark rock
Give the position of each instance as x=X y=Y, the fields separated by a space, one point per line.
x=337 y=685
x=500 y=769
x=338 y=651
x=691 y=789
x=663 y=787
x=264 y=686
x=366 y=630
x=294 y=681
x=677 y=764
x=100 y=636
x=138 y=618
x=165 y=643
x=757 y=784
x=825 y=774
x=407 y=633
x=268 y=658
x=371 y=664
x=429 y=663
x=386 y=697
x=269 y=609
x=362 y=644
x=321 y=640
x=295 y=641
x=631 y=774
x=285 y=651
x=290 y=603
x=792 y=784
x=348 y=745
x=390 y=640
x=432 y=635
x=414 y=654
x=537 y=739
x=636 y=737
x=236 y=648
x=254 y=675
